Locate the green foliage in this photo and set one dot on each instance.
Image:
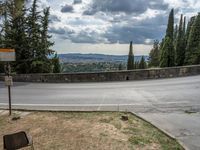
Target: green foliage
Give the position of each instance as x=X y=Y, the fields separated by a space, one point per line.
x=175 y=35
x=130 y=63
x=180 y=44
x=136 y=65
x=192 y=50
x=26 y=31
x=183 y=45
x=189 y=26
x=142 y=64
x=155 y=55
x=167 y=58
x=120 y=66
x=170 y=27
x=56 y=64
x=92 y=67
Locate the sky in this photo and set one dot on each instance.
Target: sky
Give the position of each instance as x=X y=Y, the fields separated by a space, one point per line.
x=107 y=26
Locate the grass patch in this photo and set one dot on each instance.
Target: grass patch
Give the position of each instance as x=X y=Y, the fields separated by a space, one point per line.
x=88 y=131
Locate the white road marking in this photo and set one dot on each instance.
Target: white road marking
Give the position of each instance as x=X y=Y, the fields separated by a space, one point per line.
x=96 y=105
x=99 y=108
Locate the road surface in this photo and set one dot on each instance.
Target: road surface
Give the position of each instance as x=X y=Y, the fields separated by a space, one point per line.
x=171 y=104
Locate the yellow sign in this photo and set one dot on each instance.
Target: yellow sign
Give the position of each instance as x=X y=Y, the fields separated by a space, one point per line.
x=7 y=55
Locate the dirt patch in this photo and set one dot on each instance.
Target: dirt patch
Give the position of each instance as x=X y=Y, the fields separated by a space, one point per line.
x=87 y=131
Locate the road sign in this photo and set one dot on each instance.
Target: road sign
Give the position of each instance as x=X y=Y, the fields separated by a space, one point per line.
x=8 y=81
x=7 y=55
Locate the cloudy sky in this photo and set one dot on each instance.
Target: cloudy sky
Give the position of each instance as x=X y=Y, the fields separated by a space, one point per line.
x=107 y=26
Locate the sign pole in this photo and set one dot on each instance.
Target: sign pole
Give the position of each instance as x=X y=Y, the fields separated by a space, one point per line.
x=9 y=90
x=8 y=71
x=8 y=55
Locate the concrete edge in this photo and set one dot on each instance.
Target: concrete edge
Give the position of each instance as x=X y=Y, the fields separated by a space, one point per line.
x=163 y=131
x=135 y=114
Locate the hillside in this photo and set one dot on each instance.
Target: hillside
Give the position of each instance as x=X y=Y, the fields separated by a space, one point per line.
x=91 y=58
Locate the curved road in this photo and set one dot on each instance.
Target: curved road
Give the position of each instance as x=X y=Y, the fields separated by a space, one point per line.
x=171 y=104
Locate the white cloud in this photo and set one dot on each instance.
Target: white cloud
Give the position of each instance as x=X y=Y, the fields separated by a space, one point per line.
x=112 y=27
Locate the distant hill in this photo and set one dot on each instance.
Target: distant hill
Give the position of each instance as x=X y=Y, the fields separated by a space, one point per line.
x=90 y=58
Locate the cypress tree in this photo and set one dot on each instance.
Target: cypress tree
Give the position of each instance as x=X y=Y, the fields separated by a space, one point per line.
x=167 y=58
x=120 y=67
x=192 y=55
x=180 y=46
x=130 y=63
x=189 y=26
x=175 y=35
x=154 y=55
x=136 y=65
x=170 y=27
x=142 y=64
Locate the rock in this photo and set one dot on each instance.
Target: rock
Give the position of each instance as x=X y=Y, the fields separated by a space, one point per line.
x=124 y=118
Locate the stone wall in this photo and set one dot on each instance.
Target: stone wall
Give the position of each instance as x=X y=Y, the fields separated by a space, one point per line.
x=109 y=76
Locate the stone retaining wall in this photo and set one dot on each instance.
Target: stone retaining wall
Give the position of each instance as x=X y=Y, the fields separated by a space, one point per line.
x=108 y=76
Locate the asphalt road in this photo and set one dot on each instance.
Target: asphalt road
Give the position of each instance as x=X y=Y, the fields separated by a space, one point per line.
x=171 y=104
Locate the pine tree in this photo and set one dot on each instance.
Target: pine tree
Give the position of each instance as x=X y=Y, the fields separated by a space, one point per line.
x=180 y=45
x=41 y=61
x=45 y=38
x=34 y=30
x=19 y=41
x=39 y=40
x=192 y=55
x=155 y=55
x=142 y=64
x=27 y=32
x=167 y=58
x=130 y=64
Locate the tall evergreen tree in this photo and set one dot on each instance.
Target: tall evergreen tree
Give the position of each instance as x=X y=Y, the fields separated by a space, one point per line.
x=167 y=58
x=18 y=40
x=130 y=63
x=34 y=29
x=27 y=32
x=170 y=26
x=120 y=67
x=167 y=55
x=155 y=55
x=175 y=35
x=192 y=55
x=142 y=64
x=189 y=26
x=180 y=45
x=45 y=38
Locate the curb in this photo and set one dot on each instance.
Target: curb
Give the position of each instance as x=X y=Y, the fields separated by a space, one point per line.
x=163 y=131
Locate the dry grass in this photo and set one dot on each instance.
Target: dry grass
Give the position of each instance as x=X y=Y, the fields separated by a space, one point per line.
x=87 y=131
